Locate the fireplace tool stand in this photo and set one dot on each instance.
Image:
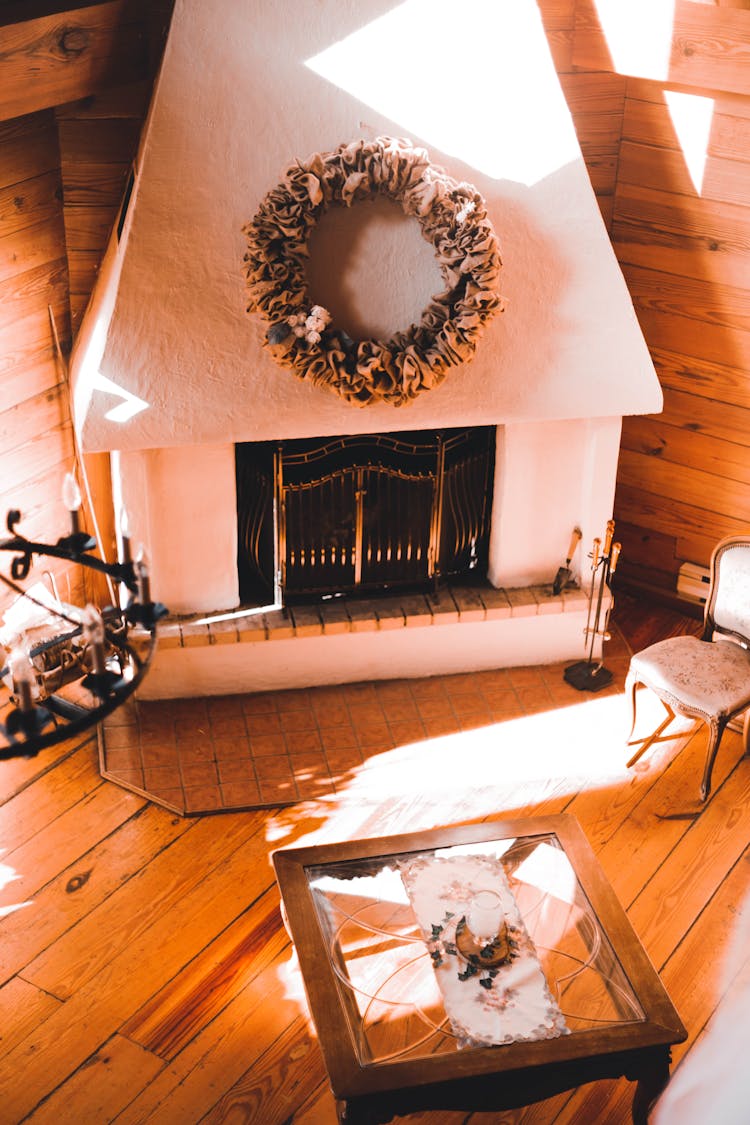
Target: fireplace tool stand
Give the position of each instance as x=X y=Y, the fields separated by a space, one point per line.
x=590 y=674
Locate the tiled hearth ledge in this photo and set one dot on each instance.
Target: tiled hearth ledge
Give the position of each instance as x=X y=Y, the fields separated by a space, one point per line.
x=461 y=628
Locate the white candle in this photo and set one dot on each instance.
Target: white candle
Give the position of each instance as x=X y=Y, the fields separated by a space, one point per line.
x=71 y=496
x=125 y=536
x=24 y=679
x=485 y=915
x=144 y=578
x=93 y=632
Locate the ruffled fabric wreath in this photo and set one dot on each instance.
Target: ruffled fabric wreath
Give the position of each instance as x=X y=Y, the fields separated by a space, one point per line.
x=452 y=217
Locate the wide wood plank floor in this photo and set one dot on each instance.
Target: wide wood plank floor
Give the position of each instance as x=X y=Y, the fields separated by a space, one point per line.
x=145 y=972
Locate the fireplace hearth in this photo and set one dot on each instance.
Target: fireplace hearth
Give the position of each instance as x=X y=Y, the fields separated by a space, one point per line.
x=362 y=513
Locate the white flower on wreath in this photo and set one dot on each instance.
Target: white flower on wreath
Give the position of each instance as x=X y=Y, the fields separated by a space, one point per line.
x=297 y=324
x=309 y=326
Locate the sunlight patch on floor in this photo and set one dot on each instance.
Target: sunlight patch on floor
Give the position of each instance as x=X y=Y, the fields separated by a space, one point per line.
x=474 y=773
x=7 y=875
x=6 y=910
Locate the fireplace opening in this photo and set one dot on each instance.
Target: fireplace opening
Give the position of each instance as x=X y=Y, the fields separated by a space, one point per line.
x=362 y=513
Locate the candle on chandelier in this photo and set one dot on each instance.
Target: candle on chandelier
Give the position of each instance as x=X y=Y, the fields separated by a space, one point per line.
x=24 y=679
x=144 y=577
x=94 y=635
x=127 y=554
x=71 y=496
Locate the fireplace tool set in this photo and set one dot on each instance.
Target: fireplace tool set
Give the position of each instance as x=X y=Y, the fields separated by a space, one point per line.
x=590 y=674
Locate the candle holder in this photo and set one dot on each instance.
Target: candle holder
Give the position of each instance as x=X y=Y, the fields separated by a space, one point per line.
x=590 y=674
x=482 y=936
x=480 y=952
x=65 y=683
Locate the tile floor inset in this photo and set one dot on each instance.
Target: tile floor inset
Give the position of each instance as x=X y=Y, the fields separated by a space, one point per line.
x=278 y=748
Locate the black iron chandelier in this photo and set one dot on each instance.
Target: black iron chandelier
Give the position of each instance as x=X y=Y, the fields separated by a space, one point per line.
x=88 y=661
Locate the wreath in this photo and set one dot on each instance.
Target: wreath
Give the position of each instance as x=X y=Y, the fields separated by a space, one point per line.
x=452 y=217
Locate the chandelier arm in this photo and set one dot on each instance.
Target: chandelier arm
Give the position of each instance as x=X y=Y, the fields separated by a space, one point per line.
x=72 y=548
x=64 y=708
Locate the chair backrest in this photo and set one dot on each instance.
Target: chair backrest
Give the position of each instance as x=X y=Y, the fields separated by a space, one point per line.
x=728 y=605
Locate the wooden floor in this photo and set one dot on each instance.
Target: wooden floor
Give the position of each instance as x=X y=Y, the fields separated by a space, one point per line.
x=146 y=974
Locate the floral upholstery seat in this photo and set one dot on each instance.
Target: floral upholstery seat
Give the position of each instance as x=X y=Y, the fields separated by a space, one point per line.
x=706 y=677
x=709 y=677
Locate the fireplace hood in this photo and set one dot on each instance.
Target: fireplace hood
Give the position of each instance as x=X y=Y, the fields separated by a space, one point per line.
x=167 y=354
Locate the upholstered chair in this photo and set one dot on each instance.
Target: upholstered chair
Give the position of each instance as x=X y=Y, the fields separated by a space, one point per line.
x=706 y=677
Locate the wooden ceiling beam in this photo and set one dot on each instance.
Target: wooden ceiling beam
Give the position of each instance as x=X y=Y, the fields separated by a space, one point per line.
x=59 y=58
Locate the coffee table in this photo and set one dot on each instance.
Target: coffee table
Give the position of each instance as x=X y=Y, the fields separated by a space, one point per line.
x=388 y=1033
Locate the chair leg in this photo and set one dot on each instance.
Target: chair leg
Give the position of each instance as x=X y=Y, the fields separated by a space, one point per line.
x=631 y=686
x=746 y=733
x=647 y=742
x=717 y=730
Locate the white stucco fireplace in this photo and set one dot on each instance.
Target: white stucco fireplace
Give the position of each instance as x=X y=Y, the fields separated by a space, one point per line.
x=169 y=371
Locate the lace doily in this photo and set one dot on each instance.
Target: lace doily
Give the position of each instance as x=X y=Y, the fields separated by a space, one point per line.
x=489 y=1007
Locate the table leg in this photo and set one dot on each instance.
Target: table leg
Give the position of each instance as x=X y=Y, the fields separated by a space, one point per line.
x=651 y=1082
x=353 y=1113
x=364 y=1111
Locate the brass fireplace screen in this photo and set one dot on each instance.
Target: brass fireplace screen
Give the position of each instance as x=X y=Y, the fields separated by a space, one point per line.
x=366 y=512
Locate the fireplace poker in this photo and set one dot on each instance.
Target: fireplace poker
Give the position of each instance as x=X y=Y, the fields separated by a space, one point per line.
x=594 y=556
x=563 y=573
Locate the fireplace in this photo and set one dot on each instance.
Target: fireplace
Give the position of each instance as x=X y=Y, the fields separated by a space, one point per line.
x=364 y=512
x=171 y=375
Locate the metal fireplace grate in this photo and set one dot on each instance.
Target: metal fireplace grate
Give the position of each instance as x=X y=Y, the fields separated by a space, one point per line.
x=365 y=512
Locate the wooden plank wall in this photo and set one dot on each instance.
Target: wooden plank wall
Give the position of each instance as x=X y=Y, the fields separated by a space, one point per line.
x=98 y=141
x=36 y=447
x=684 y=249
x=74 y=93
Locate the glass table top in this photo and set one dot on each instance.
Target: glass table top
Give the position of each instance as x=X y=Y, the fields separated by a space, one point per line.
x=414 y=980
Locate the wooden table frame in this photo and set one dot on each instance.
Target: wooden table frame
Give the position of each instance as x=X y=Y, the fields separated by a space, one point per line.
x=481 y=1078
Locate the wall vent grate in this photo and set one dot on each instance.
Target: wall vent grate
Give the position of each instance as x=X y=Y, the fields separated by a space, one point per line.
x=693 y=582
